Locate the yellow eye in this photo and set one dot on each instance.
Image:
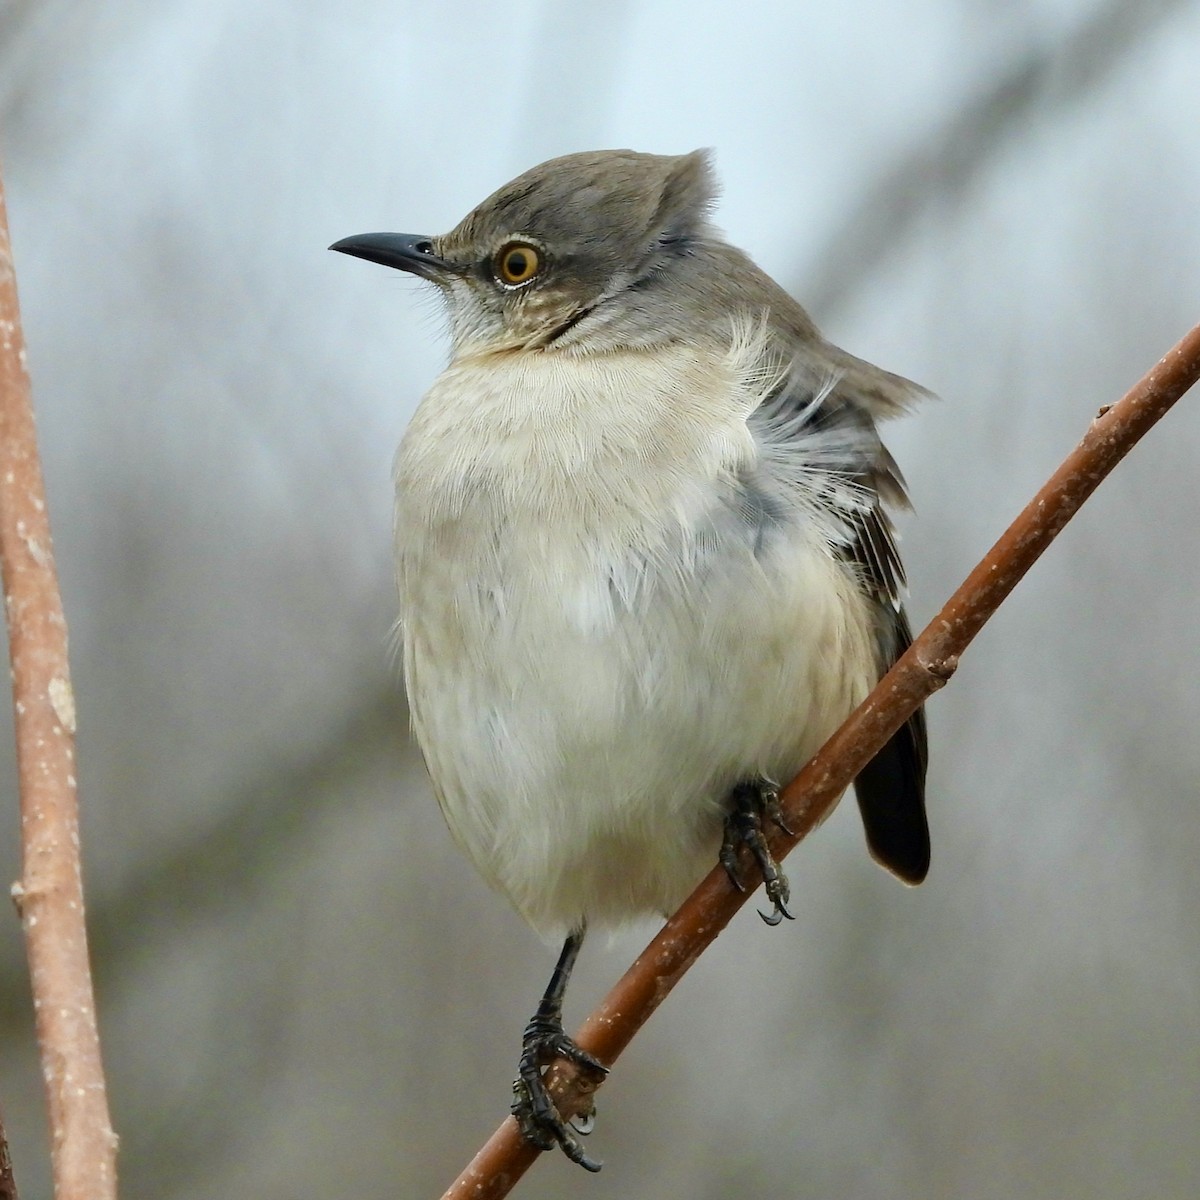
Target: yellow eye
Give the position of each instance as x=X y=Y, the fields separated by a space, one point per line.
x=518 y=262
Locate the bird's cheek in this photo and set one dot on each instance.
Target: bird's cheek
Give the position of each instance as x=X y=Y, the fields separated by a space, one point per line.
x=475 y=326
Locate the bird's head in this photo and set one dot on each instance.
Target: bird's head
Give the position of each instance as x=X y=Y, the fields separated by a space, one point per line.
x=574 y=253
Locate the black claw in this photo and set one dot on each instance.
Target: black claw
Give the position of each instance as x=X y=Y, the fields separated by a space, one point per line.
x=773 y=809
x=541 y=1125
x=728 y=856
x=533 y=1107
x=777 y=914
x=544 y=1040
x=749 y=803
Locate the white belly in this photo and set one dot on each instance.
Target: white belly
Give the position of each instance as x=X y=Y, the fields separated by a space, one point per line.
x=591 y=663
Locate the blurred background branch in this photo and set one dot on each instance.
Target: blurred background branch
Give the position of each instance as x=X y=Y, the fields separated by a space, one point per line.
x=1026 y=94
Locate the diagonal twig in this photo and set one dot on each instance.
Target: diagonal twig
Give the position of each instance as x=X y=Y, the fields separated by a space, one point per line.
x=924 y=668
x=50 y=894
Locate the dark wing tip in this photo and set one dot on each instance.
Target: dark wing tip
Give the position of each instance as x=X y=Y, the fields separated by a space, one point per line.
x=891 y=798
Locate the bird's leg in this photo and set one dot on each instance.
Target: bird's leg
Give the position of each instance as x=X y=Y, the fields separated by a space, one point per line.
x=544 y=1041
x=749 y=803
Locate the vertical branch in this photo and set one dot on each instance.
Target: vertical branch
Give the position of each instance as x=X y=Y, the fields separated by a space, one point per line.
x=50 y=894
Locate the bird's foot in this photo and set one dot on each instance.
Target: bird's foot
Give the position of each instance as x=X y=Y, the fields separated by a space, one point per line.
x=749 y=803
x=533 y=1107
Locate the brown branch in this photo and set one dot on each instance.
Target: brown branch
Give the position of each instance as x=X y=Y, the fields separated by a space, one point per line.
x=927 y=665
x=50 y=894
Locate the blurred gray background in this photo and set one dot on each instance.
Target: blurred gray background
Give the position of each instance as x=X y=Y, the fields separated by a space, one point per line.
x=304 y=990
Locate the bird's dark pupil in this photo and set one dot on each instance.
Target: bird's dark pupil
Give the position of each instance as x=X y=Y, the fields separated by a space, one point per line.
x=517 y=263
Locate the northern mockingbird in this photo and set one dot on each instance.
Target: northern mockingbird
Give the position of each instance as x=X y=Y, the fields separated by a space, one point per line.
x=644 y=558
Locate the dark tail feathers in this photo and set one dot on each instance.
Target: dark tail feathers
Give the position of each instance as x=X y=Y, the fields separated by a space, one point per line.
x=891 y=793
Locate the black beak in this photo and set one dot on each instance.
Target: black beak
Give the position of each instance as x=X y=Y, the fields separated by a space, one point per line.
x=405 y=251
